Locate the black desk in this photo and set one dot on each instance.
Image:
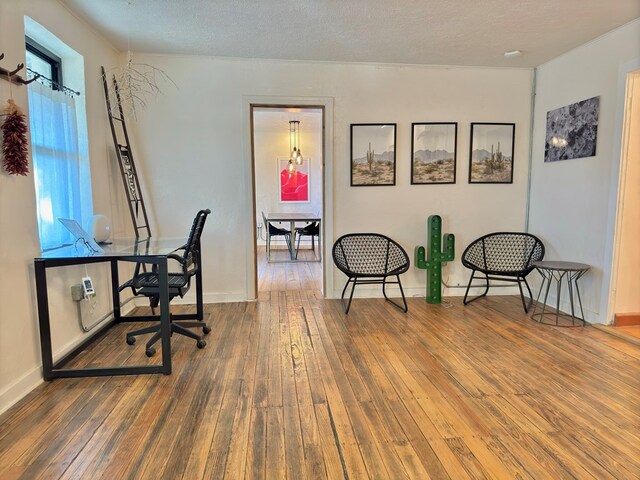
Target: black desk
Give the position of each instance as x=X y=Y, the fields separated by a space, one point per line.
x=150 y=251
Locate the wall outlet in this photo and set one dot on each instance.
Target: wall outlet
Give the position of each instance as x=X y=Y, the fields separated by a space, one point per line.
x=77 y=292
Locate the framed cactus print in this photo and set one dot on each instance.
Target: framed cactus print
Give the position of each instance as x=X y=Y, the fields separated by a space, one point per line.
x=433 y=153
x=491 y=152
x=373 y=154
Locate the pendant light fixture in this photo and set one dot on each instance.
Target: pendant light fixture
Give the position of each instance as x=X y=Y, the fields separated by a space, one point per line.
x=294 y=145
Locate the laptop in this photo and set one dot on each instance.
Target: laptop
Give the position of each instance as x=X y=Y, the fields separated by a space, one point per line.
x=80 y=235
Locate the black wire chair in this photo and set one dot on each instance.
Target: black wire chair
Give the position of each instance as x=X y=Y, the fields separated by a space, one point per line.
x=147 y=284
x=503 y=256
x=273 y=231
x=370 y=258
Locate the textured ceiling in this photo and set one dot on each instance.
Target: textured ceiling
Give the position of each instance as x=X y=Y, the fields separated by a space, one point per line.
x=428 y=32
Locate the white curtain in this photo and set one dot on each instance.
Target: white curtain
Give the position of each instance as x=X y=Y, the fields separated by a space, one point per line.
x=61 y=190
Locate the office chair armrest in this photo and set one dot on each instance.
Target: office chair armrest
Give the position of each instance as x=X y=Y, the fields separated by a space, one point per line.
x=177 y=258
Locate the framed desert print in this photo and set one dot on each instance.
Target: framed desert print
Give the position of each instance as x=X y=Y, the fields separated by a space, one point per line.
x=491 y=152
x=293 y=186
x=433 y=153
x=373 y=154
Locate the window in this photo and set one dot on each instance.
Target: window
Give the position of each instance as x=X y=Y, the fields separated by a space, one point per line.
x=60 y=164
x=43 y=61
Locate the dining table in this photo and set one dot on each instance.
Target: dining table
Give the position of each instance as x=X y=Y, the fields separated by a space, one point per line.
x=292 y=219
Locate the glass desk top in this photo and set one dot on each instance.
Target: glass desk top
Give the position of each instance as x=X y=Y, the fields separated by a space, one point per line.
x=119 y=247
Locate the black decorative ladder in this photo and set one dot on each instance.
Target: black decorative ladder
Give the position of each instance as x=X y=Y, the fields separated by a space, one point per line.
x=128 y=171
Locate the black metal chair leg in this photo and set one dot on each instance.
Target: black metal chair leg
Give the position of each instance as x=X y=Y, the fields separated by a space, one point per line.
x=404 y=300
x=187 y=333
x=298 y=247
x=384 y=292
x=466 y=294
x=348 y=306
x=142 y=331
x=268 y=245
x=529 y=290
x=524 y=305
x=287 y=238
x=153 y=339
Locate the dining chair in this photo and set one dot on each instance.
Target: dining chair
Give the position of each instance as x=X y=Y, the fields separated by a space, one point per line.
x=310 y=230
x=273 y=231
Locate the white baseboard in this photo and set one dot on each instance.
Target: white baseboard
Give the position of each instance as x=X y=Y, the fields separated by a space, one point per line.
x=20 y=388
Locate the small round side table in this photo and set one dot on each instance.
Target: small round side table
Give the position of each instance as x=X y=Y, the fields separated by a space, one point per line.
x=558 y=270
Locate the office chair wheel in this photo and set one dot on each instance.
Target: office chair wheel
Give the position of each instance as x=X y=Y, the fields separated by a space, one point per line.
x=206 y=329
x=201 y=343
x=150 y=352
x=131 y=340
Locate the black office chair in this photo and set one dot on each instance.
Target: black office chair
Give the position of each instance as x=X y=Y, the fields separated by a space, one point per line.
x=273 y=231
x=310 y=230
x=147 y=284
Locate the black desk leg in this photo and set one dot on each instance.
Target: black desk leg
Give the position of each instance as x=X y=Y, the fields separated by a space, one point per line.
x=199 y=298
x=43 y=319
x=165 y=318
x=115 y=294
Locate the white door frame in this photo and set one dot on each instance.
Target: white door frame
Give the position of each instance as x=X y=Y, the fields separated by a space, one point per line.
x=249 y=204
x=616 y=236
x=612 y=245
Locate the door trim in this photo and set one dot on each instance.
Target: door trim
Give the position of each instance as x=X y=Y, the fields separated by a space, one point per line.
x=249 y=213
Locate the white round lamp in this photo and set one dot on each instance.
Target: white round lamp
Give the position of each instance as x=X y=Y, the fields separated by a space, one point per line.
x=100 y=227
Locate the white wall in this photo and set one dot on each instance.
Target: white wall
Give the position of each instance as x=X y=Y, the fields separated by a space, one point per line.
x=271 y=142
x=571 y=200
x=192 y=142
x=20 y=363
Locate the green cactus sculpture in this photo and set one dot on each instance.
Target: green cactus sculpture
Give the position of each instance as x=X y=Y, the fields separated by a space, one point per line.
x=435 y=257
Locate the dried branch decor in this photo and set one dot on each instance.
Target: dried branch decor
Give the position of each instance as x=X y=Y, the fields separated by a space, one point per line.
x=135 y=84
x=15 y=152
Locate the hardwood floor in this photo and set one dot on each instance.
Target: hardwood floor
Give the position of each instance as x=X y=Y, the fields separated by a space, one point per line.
x=290 y=387
x=281 y=275
x=632 y=331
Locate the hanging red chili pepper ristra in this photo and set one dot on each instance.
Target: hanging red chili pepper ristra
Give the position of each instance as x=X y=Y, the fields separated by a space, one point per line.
x=15 y=150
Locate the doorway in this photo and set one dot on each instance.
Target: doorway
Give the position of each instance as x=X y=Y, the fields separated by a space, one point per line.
x=284 y=187
x=626 y=283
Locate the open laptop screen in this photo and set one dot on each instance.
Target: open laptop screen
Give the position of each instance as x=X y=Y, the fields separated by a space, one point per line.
x=80 y=234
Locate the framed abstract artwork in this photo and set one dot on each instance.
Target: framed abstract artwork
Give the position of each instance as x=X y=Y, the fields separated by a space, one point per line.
x=572 y=131
x=293 y=187
x=491 y=152
x=373 y=154
x=433 y=153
